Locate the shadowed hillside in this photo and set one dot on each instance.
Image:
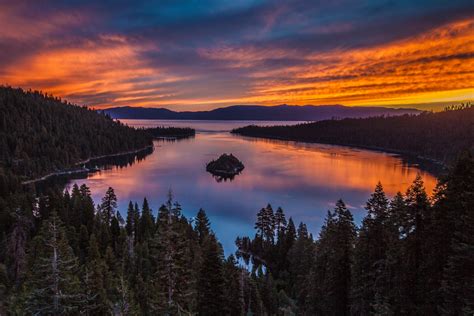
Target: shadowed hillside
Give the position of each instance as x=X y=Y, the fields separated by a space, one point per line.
x=41 y=134
x=438 y=136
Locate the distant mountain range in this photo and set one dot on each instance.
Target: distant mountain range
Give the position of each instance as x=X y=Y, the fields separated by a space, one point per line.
x=258 y=112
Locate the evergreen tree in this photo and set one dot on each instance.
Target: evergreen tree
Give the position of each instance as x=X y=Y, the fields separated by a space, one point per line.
x=371 y=282
x=202 y=225
x=147 y=223
x=457 y=198
x=175 y=288
x=3 y=288
x=233 y=288
x=108 y=206
x=87 y=207
x=265 y=224
x=301 y=258
x=130 y=224
x=17 y=245
x=211 y=282
x=115 y=231
x=417 y=207
x=124 y=304
x=331 y=275
x=94 y=276
x=395 y=254
x=280 y=222
x=53 y=285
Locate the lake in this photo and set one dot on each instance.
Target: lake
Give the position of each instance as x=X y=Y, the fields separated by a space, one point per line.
x=304 y=179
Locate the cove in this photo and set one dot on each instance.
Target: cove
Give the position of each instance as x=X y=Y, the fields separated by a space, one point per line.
x=304 y=179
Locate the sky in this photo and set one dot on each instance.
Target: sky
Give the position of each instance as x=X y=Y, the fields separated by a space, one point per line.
x=204 y=54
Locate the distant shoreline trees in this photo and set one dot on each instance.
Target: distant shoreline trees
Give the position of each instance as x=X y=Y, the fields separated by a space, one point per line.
x=438 y=136
x=171 y=132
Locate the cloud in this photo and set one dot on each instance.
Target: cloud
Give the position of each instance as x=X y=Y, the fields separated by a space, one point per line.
x=198 y=55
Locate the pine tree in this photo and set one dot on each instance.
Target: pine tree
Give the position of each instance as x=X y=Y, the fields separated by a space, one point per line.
x=130 y=223
x=53 y=286
x=211 y=282
x=124 y=304
x=115 y=231
x=280 y=222
x=147 y=223
x=87 y=207
x=233 y=290
x=300 y=256
x=331 y=275
x=3 y=288
x=370 y=278
x=108 y=206
x=395 y=254
x=417 y=209
x=17 y=245
x=175 y=287
x=202 y=225
x=265 y=224
x=83 y=244
x=94 y=276
x=458 y=278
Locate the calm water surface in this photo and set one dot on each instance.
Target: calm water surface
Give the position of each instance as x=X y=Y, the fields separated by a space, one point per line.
x=304 y=179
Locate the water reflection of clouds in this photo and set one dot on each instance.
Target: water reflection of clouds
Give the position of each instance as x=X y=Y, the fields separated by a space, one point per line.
x=304 y=179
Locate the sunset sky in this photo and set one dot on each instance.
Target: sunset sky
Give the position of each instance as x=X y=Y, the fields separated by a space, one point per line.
x=195 y=55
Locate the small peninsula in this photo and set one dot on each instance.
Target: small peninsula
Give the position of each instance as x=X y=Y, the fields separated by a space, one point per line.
x=171 y=132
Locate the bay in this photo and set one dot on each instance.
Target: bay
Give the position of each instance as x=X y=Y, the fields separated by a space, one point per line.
x=304 y=179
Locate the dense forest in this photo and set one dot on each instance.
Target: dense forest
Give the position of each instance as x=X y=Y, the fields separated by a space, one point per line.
x=412 y=255
x=40 y=134
x=60 y=254
x=439 y=136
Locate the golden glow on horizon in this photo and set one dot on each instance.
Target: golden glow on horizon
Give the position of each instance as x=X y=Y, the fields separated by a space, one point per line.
x=437 y=66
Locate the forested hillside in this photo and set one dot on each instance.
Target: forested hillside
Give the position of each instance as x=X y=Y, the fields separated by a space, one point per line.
x=412 y=255
x=60 y=254
x=41 y=134
x=440 y=136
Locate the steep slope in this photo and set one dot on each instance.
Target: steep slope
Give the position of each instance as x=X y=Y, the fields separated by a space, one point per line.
x=41 y=134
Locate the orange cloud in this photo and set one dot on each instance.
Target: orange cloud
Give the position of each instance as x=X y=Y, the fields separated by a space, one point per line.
x=438 y=66
x=111 y=70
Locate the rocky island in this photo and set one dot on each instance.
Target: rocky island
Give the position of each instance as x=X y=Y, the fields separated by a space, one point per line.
x=225 y=167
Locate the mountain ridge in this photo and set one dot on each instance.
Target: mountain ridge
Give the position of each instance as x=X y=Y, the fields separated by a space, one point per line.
x=282 y=112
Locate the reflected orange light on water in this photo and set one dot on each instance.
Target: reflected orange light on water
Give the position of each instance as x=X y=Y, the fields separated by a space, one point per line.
x=313 y=170
x=335 y=167
x=304 y=179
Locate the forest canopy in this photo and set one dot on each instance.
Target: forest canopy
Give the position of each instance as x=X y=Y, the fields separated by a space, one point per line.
x=438 y=136
x=411 y=255
x=40 y=134
x=63 y=254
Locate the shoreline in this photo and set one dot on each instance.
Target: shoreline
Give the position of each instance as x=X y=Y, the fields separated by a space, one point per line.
x=438 y=163
x=83 y=169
